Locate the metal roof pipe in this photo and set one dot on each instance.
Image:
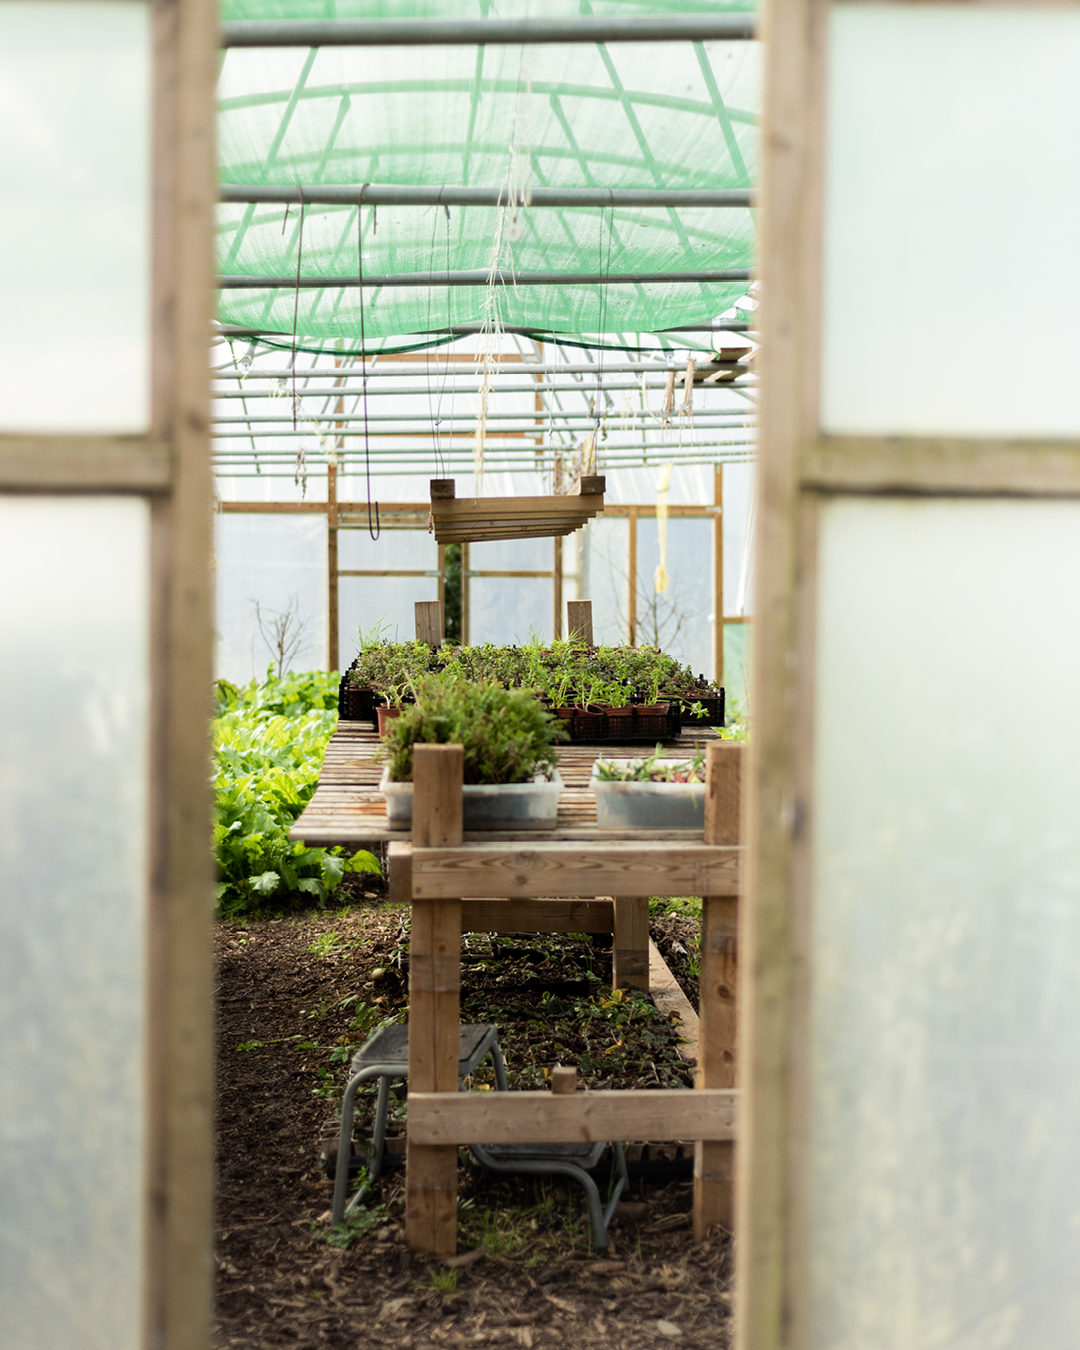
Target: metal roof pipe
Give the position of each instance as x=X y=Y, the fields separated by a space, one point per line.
x=391 y=194
x=489 y=32
x=481 y=277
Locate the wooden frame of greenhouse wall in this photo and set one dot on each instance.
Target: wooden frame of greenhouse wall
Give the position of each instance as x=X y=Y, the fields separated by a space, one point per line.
x=802 y=472
x=169 y=467
x=403 y=515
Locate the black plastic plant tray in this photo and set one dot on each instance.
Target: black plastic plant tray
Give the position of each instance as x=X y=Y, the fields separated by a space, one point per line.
x=598 y=728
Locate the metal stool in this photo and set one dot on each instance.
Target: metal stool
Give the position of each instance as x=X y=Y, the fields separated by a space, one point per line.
x=569 y=1160
x=385 y=1056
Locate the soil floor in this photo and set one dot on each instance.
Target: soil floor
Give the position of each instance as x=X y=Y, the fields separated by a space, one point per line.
x=295 y=997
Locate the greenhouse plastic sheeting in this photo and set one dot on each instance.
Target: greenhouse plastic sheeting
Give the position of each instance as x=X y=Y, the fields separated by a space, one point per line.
x=667 y=115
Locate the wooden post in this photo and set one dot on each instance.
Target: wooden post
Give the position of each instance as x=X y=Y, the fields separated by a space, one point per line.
x=564 y=1079
x=718 y=574
x=630 y=943
x=557 y=587
x=429 y=622
x=631 y=567
x=714 y=1162
x=465 y=594
x=333 y=647
x=579 y=621
x=434 y=1003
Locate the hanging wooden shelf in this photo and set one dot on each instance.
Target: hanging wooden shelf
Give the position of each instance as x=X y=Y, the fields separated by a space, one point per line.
x=468 y=520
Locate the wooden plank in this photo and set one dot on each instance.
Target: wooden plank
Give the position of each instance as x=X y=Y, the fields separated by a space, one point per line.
x=718 y=574
x=532 y=916
x=579 y=626
x=772 y=1246
x=470 y=509
x=714 y=1162
x=668 y=996
x=51 y=463
x=490 y=871
x=1008 y=466
x=434 y=1005
x=723 y=799
x=177 y=1170
x=332 y=574
x=429 y=622
x=557 y=588
x=453 y=1118
x=630 y=943
x=631 y=578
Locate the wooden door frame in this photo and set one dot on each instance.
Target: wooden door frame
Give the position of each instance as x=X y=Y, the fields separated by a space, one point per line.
x=169 y=467
x=800 y=468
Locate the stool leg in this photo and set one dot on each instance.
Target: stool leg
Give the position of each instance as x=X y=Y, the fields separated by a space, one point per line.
x=341 y=1172
x=378 y=1140
x=500 y=1068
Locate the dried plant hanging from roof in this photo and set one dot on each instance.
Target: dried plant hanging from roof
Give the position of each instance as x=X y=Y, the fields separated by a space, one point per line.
x=674 y=115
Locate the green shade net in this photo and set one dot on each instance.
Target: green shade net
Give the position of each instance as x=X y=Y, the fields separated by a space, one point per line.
x=666 y=115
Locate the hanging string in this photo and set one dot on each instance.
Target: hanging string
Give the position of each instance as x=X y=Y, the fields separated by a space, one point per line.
x=374 y=530
x=296 y=296
x=605 y=271
x=435 y=410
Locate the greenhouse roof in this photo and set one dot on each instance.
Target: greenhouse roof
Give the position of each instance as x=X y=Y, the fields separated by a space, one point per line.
x=419 y=124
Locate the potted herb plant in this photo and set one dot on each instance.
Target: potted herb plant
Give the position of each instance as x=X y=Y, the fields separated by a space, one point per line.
x=510 y=774
x=655 y=793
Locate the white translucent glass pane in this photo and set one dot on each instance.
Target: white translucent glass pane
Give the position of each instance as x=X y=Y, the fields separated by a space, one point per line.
x=679 y=619
x=952 y=203
x=74 y=215
x=271 y=584
x=393 y=550
x=605 y=572
x=510 y=610
x=513 y=555
x=945 y=1028
x=73 y=783
x=386 y=603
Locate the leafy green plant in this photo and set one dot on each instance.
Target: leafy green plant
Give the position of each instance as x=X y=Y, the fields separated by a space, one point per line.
x=269 y=740
x=356 y=1225
x=655 y=769
x=508 y=737
x=330 y=943
x=442 y=1281
x=566 y=673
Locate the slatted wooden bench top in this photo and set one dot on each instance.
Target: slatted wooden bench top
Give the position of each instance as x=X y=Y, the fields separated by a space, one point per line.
x=347 y=807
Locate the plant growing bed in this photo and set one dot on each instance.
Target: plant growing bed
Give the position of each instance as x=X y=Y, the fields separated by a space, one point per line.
x=510 y=774
x=293 y=992
x=648 y=793
x=601 y=693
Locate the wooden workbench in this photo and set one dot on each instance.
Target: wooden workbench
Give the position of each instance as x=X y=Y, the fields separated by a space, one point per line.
x=531 y=883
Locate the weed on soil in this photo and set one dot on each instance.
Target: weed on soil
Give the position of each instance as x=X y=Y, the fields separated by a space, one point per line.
x=297 y=995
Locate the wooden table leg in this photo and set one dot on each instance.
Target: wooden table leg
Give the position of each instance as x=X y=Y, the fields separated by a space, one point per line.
x=630 y=943
x=434 y=1003
x=714 y=1161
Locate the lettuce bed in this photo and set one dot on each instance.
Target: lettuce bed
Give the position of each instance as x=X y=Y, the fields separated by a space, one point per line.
x=269 y=740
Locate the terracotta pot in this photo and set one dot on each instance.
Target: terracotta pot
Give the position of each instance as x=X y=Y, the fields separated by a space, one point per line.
x=386 y=715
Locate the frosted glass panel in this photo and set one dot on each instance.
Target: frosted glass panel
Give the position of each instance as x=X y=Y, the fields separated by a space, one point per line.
x=510 y=609
x=678 y=620
x=945 y=1011
x=73 y=780
x=273 y=567
x=364 y=602
x=513 y=555
x=74 y=216
x=605 y=571
x=952 y=202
